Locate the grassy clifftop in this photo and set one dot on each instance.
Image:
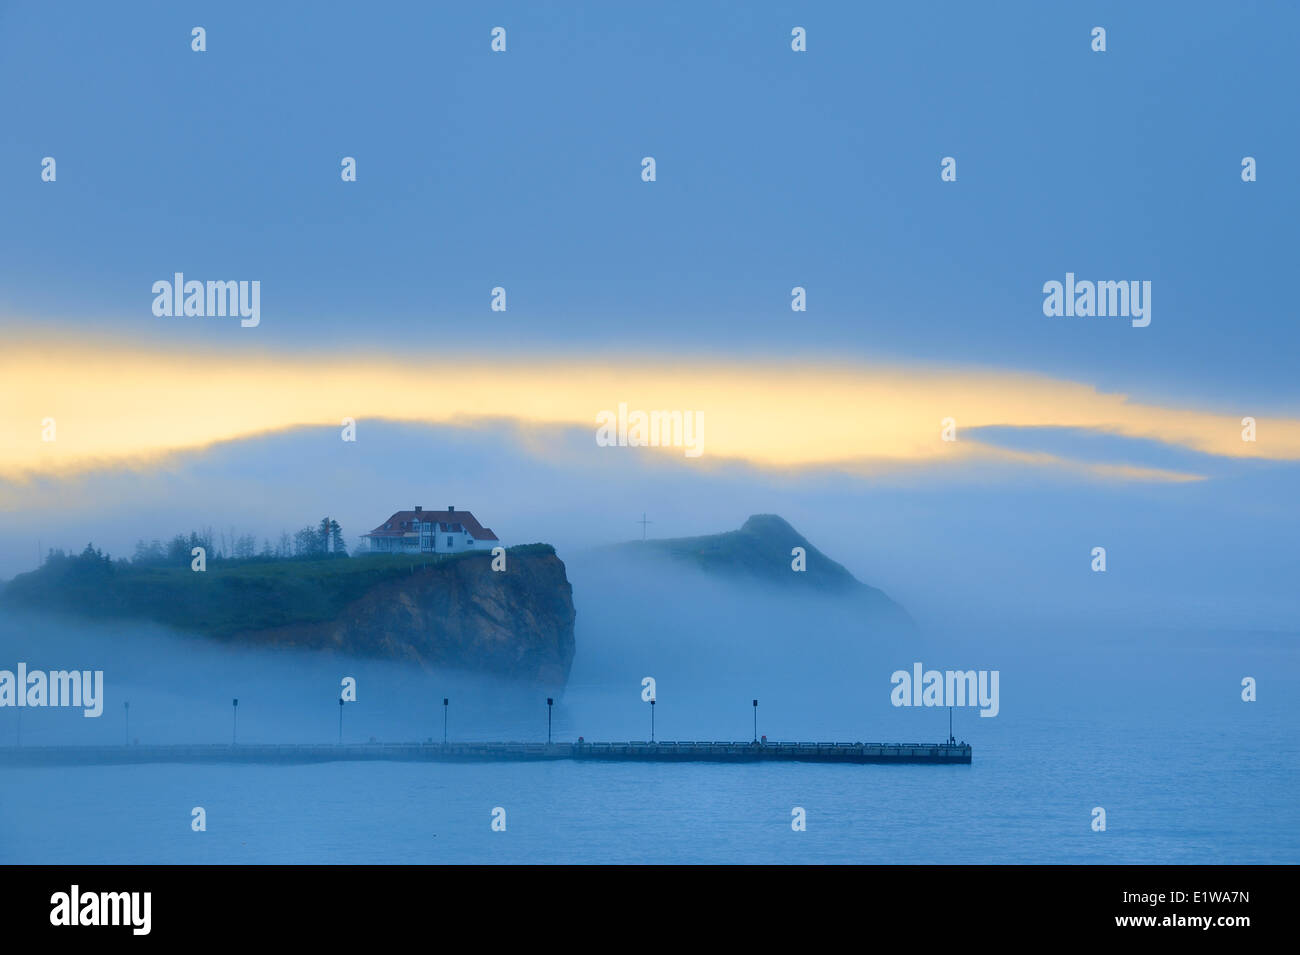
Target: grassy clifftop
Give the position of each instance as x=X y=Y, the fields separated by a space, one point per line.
x=759 y=550
x=228 y=598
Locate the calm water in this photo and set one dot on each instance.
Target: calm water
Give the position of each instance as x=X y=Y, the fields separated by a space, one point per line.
x=1151 y=729
x=1172 y=794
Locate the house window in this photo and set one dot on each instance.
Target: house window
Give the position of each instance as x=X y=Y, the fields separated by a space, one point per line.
x=449 y=542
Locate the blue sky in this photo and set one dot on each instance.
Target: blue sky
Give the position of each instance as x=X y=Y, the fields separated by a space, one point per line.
x=775 y=169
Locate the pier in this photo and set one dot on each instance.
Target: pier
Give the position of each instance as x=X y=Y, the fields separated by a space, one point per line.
x=660 y=752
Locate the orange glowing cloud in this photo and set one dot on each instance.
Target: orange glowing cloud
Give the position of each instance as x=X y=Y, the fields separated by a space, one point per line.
x=71 y=408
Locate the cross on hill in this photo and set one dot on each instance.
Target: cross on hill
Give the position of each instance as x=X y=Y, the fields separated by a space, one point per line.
x=643 y=522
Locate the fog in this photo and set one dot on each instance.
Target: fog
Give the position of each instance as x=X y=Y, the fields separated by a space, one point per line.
x=999 y=543
x=993 y=567
x=818 y=667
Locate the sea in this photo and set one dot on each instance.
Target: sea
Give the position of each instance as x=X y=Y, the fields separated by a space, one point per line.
x=1185 y=770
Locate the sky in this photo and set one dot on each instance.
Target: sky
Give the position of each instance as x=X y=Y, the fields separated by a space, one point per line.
x=774 y=169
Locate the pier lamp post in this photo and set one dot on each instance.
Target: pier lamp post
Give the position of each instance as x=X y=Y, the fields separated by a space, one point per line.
x=444 y=721
x=549 y=702
x=340 y=721
x=234 y=721
x=126 y=710
x=756 y=721
x=652 y=721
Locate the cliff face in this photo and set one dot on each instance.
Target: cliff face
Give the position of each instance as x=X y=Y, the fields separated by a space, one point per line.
x=517 y=623
x=448 y=612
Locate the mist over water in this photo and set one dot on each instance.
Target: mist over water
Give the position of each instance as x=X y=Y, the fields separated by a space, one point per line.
x=1148 y=724
x=711 y=646
x=1120 y=690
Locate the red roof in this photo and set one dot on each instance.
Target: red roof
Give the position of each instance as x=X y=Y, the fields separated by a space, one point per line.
x=403 y=522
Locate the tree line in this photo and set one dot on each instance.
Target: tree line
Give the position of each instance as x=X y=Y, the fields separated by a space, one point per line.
x=311 y=542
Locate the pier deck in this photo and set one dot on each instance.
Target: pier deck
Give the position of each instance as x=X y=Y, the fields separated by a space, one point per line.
x=673 y=752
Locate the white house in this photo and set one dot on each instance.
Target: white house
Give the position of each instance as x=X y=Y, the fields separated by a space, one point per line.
x=430 y=532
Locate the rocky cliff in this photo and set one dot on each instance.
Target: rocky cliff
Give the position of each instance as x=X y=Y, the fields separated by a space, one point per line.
x=458 y=613
x=452 y=611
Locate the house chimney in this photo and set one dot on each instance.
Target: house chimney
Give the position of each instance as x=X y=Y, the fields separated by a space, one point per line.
x=451 y=509
x=418 y=508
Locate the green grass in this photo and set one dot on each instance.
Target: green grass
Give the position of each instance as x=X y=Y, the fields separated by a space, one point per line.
x=760 y=549
x=229 y=597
